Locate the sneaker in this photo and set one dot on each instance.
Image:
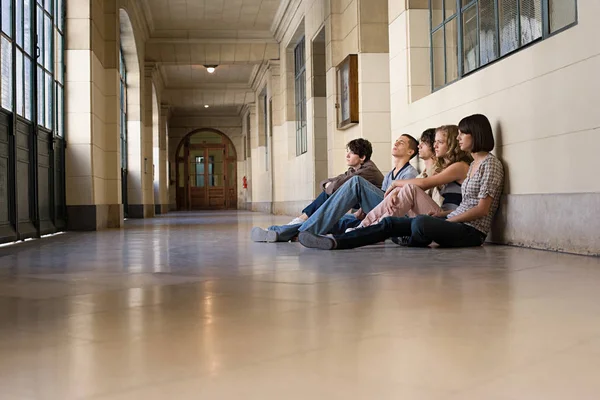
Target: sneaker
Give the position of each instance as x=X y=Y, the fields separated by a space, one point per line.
x=401 y=241
x=353 y=229
x=263 y=235
x=296 y=221
x=313 y=241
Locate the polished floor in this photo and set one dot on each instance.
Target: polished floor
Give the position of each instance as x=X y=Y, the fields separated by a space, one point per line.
x=186 y=307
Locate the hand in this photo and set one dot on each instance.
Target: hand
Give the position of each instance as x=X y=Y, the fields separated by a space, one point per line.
x=437 y=214
x=390 y=189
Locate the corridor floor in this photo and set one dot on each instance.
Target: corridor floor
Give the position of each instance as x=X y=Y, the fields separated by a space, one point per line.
x=186 y=307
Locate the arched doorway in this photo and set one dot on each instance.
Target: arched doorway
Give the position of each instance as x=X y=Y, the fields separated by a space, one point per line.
x=206 y=171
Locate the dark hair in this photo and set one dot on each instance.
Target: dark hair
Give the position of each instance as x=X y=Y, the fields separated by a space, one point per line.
x=361 y=147
x=479 y=127
x=413 y=145
x=428 y=137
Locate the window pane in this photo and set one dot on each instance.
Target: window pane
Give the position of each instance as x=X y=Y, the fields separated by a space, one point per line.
x=562 y=13
x=437 y=12
x=450 y=8
x=48 y=5
x=451 y=50
x=60 y=128
x=7 y=17
x=59 y=71
x=48 y=43
x=531 y=21
x=439 y=62
x=59 y=15
x=40 y=33
x=49 y=101
x=488 y=38
x=509 y=27
x=27 y=26
x=470 y=38
x=19 y=88
x=28 y=89
x=40 y=95
x=6 y=59
x=19 y=25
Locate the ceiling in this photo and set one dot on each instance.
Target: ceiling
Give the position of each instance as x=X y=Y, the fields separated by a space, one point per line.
x=185 y=76
x=185 y=34
x=212 y=14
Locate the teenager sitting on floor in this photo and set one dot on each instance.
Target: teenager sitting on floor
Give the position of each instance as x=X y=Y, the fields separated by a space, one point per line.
x=410 y=197
x=405 y=148
x=358 y=159
x=466 y=226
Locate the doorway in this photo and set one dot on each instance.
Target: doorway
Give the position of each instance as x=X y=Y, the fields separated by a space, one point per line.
x=206 y=172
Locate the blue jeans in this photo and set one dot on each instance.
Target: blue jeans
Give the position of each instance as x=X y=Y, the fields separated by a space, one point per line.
x=314 y=206
x=423 y=230
x=328 y=218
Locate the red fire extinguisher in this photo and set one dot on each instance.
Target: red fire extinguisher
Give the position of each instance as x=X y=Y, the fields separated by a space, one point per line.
x=245 y=182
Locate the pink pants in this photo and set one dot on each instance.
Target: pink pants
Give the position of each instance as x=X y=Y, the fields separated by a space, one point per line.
x=409 y=199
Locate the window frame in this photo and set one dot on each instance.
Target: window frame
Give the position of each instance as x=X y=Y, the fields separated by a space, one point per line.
x=300 y=96
x=459 y=16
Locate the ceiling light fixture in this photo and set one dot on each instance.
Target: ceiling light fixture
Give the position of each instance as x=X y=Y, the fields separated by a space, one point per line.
x=211 y=68
x=206 y=106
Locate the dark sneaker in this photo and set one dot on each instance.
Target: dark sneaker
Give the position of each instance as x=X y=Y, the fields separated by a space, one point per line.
x=313 y=241
x=401 y=241
x=263 y=235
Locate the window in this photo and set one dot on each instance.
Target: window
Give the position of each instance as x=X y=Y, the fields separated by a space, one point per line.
x=266 y=131
x=123 y=109
x=300 y=97
x=37 y=33
x=469 y=34
x=248 y=137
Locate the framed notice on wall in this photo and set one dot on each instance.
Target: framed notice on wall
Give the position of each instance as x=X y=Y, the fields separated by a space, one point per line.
x=347 y=85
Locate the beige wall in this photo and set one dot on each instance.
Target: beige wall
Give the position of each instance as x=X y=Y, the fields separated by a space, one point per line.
x=350 y=27
x=94 y=197
x=542 y=102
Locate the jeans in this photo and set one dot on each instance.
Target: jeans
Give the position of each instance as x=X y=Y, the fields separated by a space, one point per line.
x=356 y=190
x=328 y=218
x=423 y=230
x=285 y=233
x=314 y=206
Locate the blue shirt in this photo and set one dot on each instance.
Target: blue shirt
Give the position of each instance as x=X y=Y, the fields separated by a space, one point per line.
x=407 y=172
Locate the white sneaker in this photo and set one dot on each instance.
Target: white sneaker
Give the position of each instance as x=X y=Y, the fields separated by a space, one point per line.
x=353 y=229
x=296 y=221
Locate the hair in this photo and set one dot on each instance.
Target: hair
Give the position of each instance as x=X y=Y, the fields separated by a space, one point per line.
x=361 y=147
x=454 y=154
x=428 y=137
x=479 y=127
x=413 y=144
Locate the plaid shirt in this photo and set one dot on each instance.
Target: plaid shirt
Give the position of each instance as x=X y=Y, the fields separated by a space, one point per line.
x=488 y=180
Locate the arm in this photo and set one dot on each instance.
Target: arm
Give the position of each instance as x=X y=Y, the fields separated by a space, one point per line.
x=455 y=172
x=479 y=211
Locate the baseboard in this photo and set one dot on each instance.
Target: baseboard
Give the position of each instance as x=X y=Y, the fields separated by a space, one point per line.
x=558 y=222
x=94 y=217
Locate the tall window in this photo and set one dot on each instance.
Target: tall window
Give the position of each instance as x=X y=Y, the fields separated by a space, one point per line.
x=123 y=108
x=300 y=85
x=248 y=137
x=468 y=34
x=37 y=34
x=266 y=130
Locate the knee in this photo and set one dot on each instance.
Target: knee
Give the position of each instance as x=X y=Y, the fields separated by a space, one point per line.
x=409 y=188
x=355 y=180
x=419 y=223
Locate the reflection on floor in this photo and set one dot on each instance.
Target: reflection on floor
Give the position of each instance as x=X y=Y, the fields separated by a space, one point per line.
x=186 y=307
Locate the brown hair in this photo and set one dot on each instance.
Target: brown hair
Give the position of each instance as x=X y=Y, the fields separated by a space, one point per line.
x=454 y=154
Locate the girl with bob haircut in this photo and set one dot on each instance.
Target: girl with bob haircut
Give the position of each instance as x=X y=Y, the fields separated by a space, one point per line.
x=466 y=226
